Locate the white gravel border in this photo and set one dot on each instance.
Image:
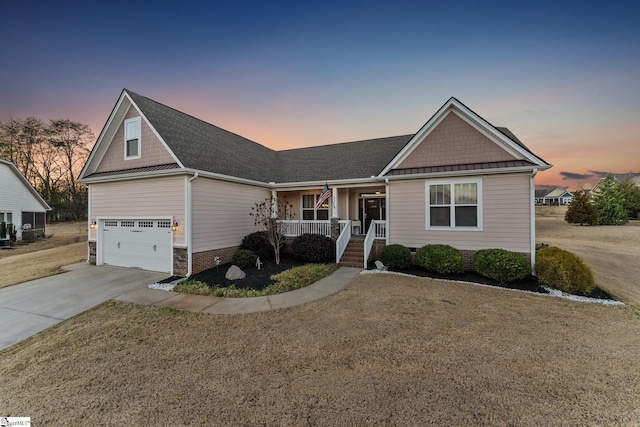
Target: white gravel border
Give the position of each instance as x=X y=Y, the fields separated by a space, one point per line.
x=552 y=292
x=166 y=286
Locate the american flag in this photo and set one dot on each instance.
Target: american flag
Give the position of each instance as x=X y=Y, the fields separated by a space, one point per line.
x=326 y=193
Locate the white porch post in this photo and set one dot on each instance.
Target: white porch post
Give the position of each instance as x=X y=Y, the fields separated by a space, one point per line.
x=334 y=202
x=387 y=210
x=274 y=204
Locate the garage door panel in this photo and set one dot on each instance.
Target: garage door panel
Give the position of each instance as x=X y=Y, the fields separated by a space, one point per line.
x=145 y=244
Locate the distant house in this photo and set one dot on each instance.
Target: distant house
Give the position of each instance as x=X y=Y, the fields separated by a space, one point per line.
x=618 y=177
x=169 y=192
x=20 y=203
x=557 y=196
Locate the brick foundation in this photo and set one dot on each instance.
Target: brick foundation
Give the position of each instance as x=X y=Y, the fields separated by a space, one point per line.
x=206 y=259
x=92 y=253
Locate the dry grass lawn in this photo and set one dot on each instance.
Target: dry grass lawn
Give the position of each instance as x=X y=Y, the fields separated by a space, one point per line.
x=66 y=243
x=388 y=350
x=612 y=252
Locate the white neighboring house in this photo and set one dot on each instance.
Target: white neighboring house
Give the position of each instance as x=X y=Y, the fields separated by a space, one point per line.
x=20 y=203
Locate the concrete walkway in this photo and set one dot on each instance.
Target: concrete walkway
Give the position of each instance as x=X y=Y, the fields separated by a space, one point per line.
x=213 y=305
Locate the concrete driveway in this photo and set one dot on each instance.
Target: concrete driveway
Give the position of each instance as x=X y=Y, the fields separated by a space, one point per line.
x=31 y=307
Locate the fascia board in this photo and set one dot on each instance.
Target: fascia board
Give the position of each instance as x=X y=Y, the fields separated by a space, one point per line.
x=494 y=171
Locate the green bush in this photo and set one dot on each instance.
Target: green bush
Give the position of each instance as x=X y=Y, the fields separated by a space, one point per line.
x=441 y=259
x=13 y=233
x=581 y=211
x=244 y=258
x=396 y=256
x=563 y=270
x=314 y=248
x=501 y=265
x=259 y=244
x=3 y=230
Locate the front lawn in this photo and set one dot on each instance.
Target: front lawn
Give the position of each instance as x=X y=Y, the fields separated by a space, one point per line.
x=388 y=350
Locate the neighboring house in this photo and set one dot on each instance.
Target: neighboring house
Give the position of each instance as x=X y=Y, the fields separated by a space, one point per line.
x=618 y=177
x=169 y=192
x=557 y=196
x=20 y=203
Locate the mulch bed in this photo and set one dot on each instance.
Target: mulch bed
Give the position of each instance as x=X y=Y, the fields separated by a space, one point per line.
x=527 y=284
x=256 y=279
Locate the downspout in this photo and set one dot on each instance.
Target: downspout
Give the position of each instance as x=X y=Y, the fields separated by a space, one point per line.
x=387 y=210
x=187 y=229
x=533 y=221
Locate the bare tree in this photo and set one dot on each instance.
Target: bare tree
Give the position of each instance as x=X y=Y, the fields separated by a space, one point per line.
x=266 y=215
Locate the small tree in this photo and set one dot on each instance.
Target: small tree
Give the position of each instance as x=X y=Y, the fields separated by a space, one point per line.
x=266 y=215
x=631 y=194
x=581 y=211
x=610 y=203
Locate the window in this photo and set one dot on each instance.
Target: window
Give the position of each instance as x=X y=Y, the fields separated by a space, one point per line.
x=6 y=217
x=454 y=204
x=308 y=211
x=132 y=138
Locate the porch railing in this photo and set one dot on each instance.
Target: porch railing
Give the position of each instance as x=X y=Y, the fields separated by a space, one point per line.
x=343 y=239
x=294 y=228
x=377 y=230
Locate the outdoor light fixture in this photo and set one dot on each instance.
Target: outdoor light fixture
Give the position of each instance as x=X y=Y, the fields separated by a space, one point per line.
x=174 y=227
x=93 y=225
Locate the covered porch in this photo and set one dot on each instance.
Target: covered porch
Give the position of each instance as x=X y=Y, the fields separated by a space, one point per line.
x=353 y=216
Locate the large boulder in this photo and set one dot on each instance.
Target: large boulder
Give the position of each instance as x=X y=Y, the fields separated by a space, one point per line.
x=234 y=273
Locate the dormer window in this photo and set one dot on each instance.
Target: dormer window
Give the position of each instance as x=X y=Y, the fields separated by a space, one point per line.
x=132 y=138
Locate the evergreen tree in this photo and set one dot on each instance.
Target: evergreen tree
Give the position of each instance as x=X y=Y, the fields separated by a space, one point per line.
x=581 y=211
x=631 y=194
x=610 y=203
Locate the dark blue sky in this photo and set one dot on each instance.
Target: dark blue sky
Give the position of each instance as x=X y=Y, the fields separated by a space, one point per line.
x=564 y=76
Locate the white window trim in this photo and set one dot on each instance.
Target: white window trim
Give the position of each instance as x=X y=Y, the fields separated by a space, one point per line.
x=139 y=123
x=452 y=182
x=315 y=211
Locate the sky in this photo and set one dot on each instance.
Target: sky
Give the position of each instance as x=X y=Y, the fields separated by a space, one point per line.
x=563 y=76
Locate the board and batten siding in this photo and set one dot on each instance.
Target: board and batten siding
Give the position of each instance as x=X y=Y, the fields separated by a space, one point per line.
x=159 y=197
x=506 y=208
x=220 y=212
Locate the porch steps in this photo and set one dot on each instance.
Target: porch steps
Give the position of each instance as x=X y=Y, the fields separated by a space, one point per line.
x=354 y=254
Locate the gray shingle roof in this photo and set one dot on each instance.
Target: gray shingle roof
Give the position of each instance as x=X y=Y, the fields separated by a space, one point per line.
x=202 y=146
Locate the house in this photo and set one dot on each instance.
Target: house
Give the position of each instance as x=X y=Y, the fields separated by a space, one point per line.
x=170 y=192
x=557 y=196
x=618 y=177
x=20 y=203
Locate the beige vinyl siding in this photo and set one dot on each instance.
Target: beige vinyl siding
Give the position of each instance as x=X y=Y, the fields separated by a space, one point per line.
x=159 y=197
x=220 y=212
x=506 y=216
x=153 y=152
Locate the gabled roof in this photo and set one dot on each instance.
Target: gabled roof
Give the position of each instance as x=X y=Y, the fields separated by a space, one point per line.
x=198 y=145
x=503 y=137
x=26 y=183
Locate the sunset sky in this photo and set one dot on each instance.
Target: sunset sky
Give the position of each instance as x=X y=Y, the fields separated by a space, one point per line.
x=564 y=76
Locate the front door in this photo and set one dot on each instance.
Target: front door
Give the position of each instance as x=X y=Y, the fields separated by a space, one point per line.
x=372 y=208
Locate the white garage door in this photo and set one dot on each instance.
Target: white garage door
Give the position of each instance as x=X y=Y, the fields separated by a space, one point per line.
x=137 y=243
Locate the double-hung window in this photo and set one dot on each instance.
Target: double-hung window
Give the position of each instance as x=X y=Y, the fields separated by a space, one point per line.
x=309 y=213
x=132 y=138
x=454 y=204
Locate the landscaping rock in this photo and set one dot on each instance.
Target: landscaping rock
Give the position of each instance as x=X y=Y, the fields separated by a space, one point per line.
x=380 y=266
x=235 y=273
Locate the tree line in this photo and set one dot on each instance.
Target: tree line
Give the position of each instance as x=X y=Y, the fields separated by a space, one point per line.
x=614 y=203
x=51 y=156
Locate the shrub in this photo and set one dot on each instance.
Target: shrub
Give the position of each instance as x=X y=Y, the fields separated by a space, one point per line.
x=581 y=210
x=299 y=277
x=12 y=233
x=259 y=244
x=396 y=256
x=610 y=203
x=501 y=265
x=244 y=258
x=314 y=248
x=3 y=230
x=563 y=270
x=441 y=259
